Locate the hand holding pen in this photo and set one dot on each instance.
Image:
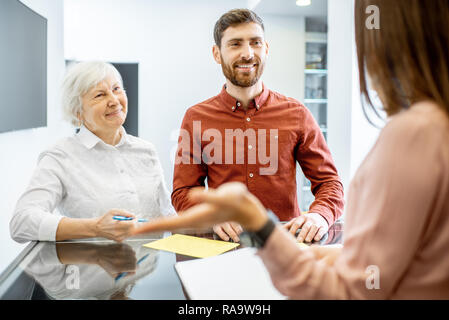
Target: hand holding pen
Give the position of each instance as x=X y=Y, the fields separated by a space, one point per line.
x=122 y=218
x=116 y=225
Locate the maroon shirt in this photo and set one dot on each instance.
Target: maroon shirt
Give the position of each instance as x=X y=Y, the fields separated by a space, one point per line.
x=223 y=142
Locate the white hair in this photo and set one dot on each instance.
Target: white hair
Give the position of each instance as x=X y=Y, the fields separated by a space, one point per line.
x=79 y=79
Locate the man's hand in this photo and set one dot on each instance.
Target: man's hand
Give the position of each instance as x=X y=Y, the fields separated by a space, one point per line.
x=313 y=227
x=228 y=229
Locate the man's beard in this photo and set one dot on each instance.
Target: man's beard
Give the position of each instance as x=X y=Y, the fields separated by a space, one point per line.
x=241 y=79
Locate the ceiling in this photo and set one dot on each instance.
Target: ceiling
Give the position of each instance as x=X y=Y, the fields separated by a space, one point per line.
x=318 y=8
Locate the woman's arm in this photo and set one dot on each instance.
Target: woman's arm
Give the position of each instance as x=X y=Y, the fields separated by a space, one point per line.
x=73 y=228
x=113 y=258
x=34 y=217
x=327 y=254
x=104 y=226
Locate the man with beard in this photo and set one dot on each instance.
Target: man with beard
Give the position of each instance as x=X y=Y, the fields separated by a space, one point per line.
x=247 y=110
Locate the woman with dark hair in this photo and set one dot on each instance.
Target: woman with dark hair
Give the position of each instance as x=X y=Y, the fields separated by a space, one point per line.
x=397 y=217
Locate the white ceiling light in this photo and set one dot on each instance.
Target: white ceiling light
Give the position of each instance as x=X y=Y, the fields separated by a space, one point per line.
x=303 y=3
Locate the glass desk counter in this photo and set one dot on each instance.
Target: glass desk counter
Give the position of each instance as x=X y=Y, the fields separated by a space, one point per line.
x=101 y=269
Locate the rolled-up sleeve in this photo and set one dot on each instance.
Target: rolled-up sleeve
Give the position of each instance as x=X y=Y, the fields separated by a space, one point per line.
x=316 y=162
x=34 y=217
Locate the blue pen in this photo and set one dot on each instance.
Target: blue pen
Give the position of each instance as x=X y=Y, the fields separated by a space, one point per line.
x=122 y=218
x=121 y=275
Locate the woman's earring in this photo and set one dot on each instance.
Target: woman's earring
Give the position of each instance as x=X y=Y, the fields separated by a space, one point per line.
x=79 y=125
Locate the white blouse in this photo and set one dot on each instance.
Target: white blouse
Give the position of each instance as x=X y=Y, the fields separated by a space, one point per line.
x=83 y=177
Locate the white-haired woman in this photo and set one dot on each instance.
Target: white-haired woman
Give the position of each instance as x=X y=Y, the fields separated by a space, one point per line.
x=83 y=181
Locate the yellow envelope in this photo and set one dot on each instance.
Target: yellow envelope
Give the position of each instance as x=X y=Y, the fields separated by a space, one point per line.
x=192 y=246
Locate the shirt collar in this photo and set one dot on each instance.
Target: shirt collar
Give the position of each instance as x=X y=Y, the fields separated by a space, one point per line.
x=90 y=140
x=233 y=104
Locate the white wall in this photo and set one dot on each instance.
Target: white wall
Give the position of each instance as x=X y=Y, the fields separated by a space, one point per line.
x=364 y=134
x=350 y=135
x=284 y=71
x=172 y=41
x=340 y=84
x=19 y=150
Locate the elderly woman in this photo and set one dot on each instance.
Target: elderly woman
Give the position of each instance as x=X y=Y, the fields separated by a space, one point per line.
x=99 y=173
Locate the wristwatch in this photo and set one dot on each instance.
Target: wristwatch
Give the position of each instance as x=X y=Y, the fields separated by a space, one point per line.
x=258 y=238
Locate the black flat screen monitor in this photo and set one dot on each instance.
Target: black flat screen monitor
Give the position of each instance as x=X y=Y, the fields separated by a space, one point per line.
x=23 y=67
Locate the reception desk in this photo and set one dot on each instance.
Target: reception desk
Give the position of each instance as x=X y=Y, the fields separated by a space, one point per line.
x=102 y=269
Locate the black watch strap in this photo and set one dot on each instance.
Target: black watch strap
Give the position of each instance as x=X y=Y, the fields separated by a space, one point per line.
x=261 y=236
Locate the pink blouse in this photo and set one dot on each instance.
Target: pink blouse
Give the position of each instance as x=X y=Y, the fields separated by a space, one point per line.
x=396 y=241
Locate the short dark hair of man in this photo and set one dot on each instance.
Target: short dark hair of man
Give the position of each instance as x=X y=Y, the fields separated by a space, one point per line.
x=234 y=17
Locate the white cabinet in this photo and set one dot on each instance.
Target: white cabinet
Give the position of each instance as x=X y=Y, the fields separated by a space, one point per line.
x=315 y=91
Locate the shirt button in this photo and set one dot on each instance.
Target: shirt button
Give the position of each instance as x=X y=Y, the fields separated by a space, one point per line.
x=248 y=119
x=233 y=108
x=250 y=147
x=251 y=175
x=238 y=104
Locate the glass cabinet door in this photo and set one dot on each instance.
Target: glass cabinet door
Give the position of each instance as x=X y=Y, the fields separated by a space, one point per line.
x=316 y=55
x=315 y=92
x=319 y=112
x=316 y=86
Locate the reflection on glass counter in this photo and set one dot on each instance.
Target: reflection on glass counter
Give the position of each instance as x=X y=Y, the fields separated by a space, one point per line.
x=105 y=270
x=91 y=270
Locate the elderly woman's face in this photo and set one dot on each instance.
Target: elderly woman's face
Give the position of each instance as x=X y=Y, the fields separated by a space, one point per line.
x=105 y=106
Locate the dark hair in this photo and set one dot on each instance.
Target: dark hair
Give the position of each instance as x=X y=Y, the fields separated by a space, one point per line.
x=234 y=17
x=407 y=57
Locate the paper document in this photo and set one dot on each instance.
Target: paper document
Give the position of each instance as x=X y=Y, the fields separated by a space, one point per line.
x=192 y=246
x=236 y=275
